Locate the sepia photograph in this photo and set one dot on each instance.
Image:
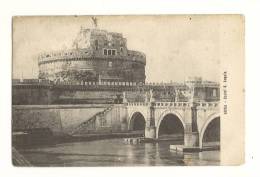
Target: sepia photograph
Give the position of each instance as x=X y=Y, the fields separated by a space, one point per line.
x=122 y=90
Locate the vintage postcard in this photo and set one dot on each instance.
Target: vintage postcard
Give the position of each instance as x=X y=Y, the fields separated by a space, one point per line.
x=154 y=90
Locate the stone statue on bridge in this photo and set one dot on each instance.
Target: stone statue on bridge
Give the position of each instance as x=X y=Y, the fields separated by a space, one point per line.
x=151 y=96
x=146 y=98
x=124 y=98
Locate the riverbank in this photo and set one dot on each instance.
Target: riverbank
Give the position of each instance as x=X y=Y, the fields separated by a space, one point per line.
x=24 y=140
x=27 y=140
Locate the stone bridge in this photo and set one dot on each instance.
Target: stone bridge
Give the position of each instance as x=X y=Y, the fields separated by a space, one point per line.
x=156 y=119
x=194 y=118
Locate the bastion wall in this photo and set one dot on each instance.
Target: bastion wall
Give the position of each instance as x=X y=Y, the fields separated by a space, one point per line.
x=63 y=119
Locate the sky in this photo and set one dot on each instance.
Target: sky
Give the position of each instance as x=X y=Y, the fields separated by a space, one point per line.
x=176 y=47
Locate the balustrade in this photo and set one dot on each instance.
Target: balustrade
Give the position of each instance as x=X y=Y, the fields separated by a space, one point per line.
x=175 y=104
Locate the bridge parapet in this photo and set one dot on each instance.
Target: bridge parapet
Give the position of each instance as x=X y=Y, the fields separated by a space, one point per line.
x=137 y=104
x=210 y=105
x=172 y=104
x=202 y=105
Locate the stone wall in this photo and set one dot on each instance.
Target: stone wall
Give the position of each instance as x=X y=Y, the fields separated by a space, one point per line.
x=82 y=69
x=42 y=92
x=25 y=118
x=58 y=118
x=31 y=96
x=112 y=119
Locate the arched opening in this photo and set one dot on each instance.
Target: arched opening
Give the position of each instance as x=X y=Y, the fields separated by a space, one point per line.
x=171 y=128
x=137 y=123
x=211 y=134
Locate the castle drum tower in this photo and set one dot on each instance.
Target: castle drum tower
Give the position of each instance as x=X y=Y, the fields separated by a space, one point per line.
x=95 y=55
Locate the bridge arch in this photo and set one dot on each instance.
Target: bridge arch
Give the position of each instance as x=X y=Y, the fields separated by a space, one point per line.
x=211 y=118
x=169 y=114
x=136 y=121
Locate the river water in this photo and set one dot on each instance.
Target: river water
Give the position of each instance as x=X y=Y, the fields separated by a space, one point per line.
x=115 y=152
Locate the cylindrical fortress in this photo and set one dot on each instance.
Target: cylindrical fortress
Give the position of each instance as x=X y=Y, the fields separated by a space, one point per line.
x=96 y=55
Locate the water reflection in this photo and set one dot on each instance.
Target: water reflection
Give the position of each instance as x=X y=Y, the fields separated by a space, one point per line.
x=115 y=152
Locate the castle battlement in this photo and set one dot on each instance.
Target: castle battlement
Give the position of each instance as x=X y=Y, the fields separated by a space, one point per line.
x=150 y=85
x=86 y=54
x=95 y=55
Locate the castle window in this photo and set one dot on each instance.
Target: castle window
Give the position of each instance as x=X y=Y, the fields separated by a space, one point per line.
x=214 y=92
x=109 y=52
x=121 y=49
x=96 y=44
x=113 y=52
x=110 y=64
x=105 y=51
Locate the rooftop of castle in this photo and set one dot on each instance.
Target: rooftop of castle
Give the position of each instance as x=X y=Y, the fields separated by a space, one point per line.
x=88 y=36
x=94 y=42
